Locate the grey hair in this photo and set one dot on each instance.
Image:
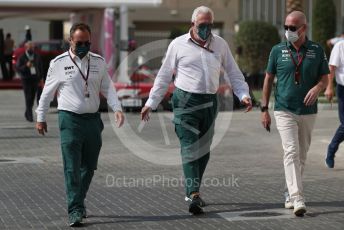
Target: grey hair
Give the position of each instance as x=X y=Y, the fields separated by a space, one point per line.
x=202 y=10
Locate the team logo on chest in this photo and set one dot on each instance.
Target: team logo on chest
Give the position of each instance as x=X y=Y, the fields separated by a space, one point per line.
x=285 y=55
x=69 y=67
x=69 y=71
x=311 y=54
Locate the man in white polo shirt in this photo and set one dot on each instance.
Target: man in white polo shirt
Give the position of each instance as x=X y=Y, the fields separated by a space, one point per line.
x=336 y=70
x=78 y=76
x=196 y=59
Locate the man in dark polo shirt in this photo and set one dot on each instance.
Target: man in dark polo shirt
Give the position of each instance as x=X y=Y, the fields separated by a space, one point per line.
x=301 y=69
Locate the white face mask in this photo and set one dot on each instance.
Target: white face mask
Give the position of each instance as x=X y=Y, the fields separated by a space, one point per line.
x=291 y=36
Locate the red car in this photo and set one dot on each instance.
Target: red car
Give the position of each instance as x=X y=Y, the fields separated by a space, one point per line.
x=47 y=49
x=134 y=95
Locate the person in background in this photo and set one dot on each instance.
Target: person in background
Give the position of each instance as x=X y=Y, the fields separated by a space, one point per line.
x=28 y=35
x=331 y=42
x=336 y=72
x=4 y=71
x=8 y=52
x=30 y=69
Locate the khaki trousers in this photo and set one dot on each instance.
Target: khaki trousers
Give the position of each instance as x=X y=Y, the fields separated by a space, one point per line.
x=295 y=131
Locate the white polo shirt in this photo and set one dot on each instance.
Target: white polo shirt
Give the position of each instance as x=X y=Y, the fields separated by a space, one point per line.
x=65 y=79
x=337 y=60
x=197 y=70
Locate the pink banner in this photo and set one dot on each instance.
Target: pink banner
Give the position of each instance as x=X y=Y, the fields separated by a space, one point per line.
x=109 y=40
x=102 y=27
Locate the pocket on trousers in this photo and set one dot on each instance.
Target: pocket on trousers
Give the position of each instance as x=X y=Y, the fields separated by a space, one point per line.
x=101 y=125
x=178 y=130
x=61 y=118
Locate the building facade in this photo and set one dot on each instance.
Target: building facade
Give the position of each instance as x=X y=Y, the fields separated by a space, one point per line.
x=274 y=11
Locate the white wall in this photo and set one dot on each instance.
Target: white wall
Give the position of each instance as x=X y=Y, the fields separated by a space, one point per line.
x=16 y=26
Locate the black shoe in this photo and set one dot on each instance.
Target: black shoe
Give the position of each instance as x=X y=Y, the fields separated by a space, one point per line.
x=330 y=161
x=84 y=213
x=29 y=116
x=75 y=219
x=202 y=202
x=195 y=206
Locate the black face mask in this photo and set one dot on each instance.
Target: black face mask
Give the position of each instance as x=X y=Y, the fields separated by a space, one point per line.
x=204 y=30
x=30 y=52
x=82 y=48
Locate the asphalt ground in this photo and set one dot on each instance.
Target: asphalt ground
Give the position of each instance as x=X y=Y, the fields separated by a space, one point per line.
x=132 y=189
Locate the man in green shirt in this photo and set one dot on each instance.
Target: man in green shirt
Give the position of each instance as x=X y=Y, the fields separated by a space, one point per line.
x=301 y=69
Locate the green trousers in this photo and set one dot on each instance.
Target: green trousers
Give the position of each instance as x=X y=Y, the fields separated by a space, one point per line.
x=194 y=119
x=80 y=145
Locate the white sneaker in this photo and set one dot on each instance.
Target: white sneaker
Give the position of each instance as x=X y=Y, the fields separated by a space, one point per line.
x=288 y=204
x=299 y=208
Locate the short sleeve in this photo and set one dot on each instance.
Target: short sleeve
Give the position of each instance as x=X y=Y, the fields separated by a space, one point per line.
x=323 y=67
x=335 y=54
x=272 y=62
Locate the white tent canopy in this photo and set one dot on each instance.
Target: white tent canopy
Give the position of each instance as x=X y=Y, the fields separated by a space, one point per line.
x=78 y=3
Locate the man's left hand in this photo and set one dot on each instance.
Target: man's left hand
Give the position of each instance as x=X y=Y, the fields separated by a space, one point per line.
x=329 y=93
x=119 y=118
x=248 y=103
x=312 y=96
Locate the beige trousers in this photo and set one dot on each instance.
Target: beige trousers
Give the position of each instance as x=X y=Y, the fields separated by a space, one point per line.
x=295 y=131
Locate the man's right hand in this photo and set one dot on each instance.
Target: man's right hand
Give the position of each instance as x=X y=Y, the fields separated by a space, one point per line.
x=29 y=64
x=145 y=113
x=42 y=127
x=266 y=119
x=329 y=93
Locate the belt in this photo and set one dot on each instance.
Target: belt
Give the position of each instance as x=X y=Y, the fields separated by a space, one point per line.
x=199 y=95
x=82 y=115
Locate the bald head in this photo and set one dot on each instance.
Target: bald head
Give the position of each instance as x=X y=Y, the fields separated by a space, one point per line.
x=296 y=26
x=296 y=18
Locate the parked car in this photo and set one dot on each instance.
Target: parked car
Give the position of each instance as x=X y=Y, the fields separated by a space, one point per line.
x=135 y=94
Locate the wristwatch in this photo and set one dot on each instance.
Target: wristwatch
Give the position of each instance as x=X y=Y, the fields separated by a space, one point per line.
x=264 y=108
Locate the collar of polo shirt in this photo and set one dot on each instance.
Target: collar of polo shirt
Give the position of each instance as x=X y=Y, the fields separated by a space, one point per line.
x=305 y=44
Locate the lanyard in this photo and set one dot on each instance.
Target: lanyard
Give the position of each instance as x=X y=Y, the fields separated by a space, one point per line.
x=204 y=47
x=297 y=65
x=30 y=57
x=87 y=94
x=82 y=74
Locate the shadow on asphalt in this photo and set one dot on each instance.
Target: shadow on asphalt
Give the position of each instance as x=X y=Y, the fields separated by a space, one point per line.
x=214 y=213
x=133 y=219
x=28 y=137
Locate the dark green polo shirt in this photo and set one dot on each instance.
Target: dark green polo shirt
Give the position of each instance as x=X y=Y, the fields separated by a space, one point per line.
x=288 y=95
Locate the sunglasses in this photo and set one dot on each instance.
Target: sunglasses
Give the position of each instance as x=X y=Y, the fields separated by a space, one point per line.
x=87 y=43
x=291 y=28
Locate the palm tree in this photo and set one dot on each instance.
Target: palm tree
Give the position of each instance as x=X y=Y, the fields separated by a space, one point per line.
x=292 y=5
